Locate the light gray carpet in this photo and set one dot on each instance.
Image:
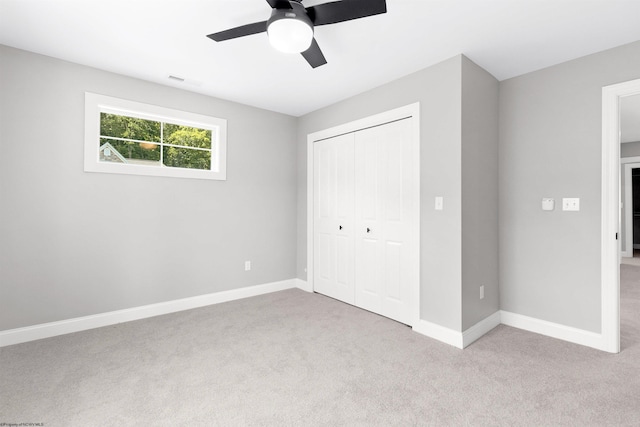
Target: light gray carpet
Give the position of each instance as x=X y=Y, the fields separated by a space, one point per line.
x=635 y=260
x=293 y=358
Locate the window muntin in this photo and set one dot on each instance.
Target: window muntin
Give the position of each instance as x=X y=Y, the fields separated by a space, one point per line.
x=142 y=139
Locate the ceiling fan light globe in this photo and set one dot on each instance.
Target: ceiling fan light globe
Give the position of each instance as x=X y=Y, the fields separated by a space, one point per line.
x=290 y=35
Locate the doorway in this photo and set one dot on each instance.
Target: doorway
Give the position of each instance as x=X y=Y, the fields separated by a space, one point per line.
x=634 y=203
x=612 y=97
x=630 y=213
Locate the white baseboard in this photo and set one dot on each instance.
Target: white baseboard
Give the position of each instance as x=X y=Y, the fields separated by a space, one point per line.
x=303 y=284
x=440 y=333
x=553 y=330
x=542 y=327
x=455 y=338
x=480 y=328
x=52 y=329
x=432 y=330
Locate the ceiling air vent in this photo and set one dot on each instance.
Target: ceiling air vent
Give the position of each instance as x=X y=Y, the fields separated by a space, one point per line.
x=176 y=78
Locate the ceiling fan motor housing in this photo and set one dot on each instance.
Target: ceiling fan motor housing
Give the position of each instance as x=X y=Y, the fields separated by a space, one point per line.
x=290 y=30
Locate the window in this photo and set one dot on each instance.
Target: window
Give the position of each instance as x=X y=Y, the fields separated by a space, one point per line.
x=133 y=138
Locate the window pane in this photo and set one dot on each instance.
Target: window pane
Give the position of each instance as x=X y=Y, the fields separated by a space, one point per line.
x=129 y=127
x=187 y=158
x=138 y=153
x=187 y=136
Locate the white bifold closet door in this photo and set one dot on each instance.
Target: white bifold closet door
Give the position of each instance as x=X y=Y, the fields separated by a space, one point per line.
x=333 y=218
x=363 y=202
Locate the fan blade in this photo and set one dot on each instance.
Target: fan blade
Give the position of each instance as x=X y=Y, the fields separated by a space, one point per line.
x=243 y=30
x=345 y=10
x=279 y=4
x=314 y=55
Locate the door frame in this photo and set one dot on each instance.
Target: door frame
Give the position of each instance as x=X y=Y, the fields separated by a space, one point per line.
x=629 y=163
x=610 y=209
x=408 y=111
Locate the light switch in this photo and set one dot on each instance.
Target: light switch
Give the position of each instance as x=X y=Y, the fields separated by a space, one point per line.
x=439 y=203
x=548 y=204
x=571 y=204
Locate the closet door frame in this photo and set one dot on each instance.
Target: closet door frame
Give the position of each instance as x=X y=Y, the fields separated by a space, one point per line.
x=412 y=112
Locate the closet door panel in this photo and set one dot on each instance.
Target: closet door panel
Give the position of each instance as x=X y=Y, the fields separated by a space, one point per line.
x=368 y=270
x=333 y=218
x=344 y=251
x=368 y=274
x=383 y=203
x=398 y=210
x=392 y=268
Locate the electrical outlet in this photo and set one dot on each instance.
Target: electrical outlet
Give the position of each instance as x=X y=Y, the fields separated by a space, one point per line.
x=247 y=265
x=481 y=291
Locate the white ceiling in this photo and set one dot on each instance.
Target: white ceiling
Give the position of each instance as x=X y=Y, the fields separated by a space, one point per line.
x=152 y=39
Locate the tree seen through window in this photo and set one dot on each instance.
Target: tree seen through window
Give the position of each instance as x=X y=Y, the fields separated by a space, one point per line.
x=138 y=141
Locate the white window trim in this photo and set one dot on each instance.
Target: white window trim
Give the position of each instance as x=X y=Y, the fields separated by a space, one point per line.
x=95 y=104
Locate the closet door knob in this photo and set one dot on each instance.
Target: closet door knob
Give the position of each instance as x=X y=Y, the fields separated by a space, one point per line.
x=340 y=228
x=368 y=229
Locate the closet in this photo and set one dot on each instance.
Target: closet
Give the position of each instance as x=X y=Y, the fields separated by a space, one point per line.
x=365 y=218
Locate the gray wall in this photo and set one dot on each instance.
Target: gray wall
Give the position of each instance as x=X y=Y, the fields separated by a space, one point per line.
x=630 y=149
x=479 y=193
x=550 y=146
x=75 y=243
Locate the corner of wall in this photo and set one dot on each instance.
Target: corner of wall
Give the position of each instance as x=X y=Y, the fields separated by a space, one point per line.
x=479 y=124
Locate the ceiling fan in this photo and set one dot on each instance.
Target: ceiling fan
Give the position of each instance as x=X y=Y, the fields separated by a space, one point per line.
x=290 y=27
